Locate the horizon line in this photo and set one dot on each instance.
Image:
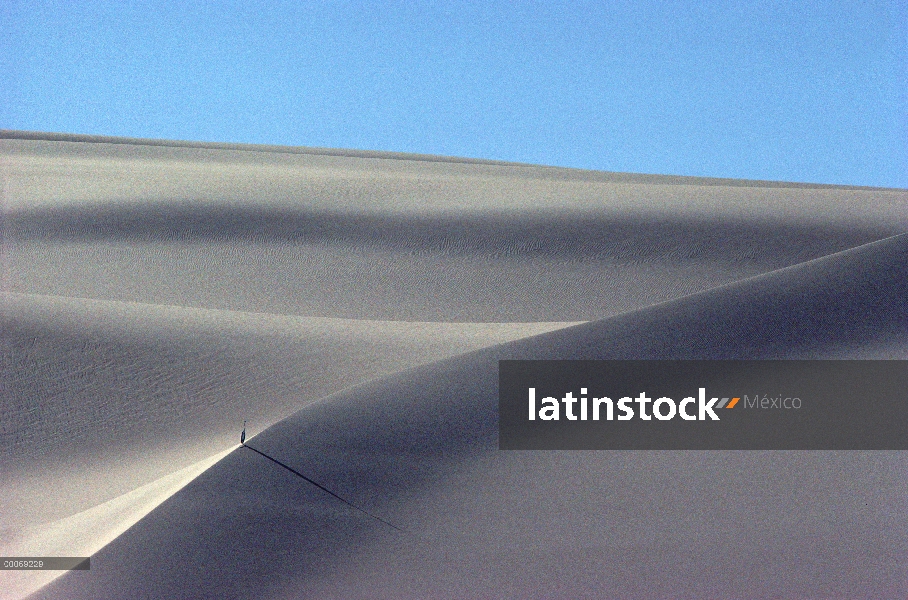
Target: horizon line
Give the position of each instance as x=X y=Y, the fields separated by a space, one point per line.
x=613 y=176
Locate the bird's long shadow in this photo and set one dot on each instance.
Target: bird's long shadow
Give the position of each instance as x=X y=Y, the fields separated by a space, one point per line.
x=321 y=487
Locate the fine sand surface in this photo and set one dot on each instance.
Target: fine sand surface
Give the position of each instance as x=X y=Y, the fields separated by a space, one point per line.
x=352 y=307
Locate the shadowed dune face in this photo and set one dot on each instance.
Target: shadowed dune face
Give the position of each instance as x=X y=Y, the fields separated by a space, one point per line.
x=420 y=449
x=155 y=296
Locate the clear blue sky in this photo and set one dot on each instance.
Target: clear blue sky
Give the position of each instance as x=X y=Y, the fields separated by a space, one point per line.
x=801 y=91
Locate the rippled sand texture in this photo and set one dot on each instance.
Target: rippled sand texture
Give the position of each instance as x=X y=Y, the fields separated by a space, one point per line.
x=352 y=307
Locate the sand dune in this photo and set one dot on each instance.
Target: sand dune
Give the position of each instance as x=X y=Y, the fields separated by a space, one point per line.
x=399 y=239
x=420 y=450
x=106 y=396
x=155 y=294
x=86 y=532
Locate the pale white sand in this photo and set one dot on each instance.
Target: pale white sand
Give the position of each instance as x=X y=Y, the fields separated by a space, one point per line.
x=86 y=532
x=105 y=396
x=372 y=238
x=156 y=296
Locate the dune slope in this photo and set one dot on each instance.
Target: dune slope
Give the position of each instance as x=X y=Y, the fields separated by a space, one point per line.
x=155 y=294
x=397 y=238
x=419 y=449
